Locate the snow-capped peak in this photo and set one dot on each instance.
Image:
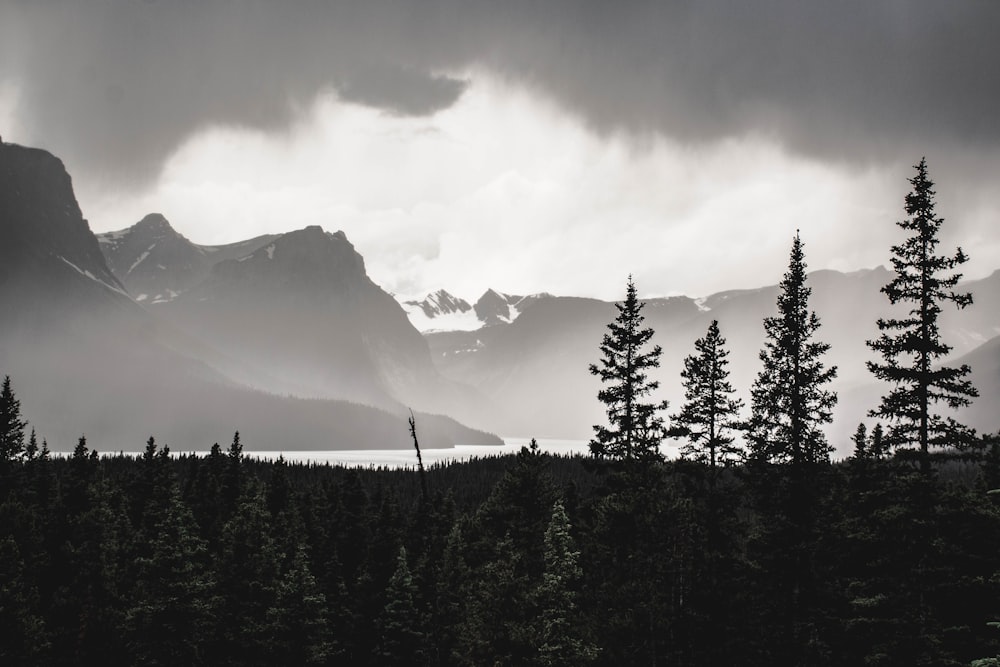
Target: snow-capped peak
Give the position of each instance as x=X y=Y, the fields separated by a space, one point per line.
x=441 y=311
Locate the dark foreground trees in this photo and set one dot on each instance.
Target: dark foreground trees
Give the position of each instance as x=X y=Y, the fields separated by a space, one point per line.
x=710 y=412
x=911 y=346
x=635 y=427
x=525 y=560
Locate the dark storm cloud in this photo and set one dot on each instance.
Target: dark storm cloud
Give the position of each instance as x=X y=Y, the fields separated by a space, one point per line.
x=400 y=90
x=117 y=84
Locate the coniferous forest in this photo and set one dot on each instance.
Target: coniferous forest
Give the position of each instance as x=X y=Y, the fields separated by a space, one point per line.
x=753 y=548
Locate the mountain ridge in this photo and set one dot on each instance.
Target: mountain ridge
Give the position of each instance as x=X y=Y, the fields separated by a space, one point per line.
x=86 y=358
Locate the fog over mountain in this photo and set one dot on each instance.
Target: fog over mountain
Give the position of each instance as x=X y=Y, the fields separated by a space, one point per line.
x=87 y=359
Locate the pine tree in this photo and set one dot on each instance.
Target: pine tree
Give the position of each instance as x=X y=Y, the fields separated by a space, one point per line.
x=709 y=411
x=860 y=440
x=11 y=424
x=911 y=346
x=636 y=429
x=789 y=401
x=172 y=596
x=301 y=616
x=248 y=578
x=561 y=639
x=402 y=640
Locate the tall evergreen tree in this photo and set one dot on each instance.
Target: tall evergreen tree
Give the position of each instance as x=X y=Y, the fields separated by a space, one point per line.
x=301 y=616
x=710 y=411
x=172 y=597
x=789 y=401
x=911 y=346
x=635 y=427
x=561 y=637
x=402 y=640
x=11 y=424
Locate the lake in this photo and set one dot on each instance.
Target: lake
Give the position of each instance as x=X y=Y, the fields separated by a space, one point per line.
x=407 y=458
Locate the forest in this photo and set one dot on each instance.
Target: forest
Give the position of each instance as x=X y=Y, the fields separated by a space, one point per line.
x=752 y=548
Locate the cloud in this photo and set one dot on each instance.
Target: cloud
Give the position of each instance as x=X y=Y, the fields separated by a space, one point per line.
x=401 y=91
x=544 y=205
x=115 y=86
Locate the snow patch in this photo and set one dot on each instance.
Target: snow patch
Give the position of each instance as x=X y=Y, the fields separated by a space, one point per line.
x=137 y=262
x=701 y=304
x=270 y=251
x=95 y=278
x=243 y=259
x=170 y=296
x=142 y=297
x=456 y=321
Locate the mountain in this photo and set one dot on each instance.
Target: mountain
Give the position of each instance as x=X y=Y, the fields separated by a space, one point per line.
x=984 y=361
x=495 y=308
x=155 y=263
x=87 y=359
x=536 y=367
x=440 y=311
x=301 y=316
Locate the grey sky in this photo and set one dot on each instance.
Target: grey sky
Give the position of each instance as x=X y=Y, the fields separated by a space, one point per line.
x=116 y=87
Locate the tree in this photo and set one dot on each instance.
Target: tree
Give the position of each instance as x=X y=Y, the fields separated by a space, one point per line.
x=172 y=591
x=911 y=346
x=11 y=424
x=561 y=639
x=709 y=411
x=636 y=429
x=789 y=402
x=402 y=642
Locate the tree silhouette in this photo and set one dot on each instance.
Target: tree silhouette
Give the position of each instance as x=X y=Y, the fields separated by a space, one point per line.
x=710 y=411
x=636 y=429
x=911 y=346
x=11 y=424
x=789 y=402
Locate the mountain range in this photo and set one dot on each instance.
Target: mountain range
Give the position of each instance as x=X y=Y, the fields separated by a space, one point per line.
x=87 y=358
x=288 y=337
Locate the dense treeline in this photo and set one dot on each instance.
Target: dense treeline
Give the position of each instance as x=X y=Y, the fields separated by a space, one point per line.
x=517 y=560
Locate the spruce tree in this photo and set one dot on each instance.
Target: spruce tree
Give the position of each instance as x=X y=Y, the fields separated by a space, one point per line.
x=561 y=637
x=635 y=428
x=790 y=403
x=710 y=411
x=911 y=346
x=401 y=641
x=11 y=424
x=171 y=602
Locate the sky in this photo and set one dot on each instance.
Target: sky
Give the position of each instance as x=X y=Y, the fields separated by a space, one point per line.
x=556 y=146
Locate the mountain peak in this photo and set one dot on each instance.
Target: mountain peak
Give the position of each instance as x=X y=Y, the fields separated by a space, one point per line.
x=308 y=258
x=494 y=307
x=153 y=222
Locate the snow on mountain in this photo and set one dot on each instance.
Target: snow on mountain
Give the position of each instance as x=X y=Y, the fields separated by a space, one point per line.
x=441 y=311
x=157 y=263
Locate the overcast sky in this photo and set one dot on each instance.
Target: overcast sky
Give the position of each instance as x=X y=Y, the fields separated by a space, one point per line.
x=527 y=146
